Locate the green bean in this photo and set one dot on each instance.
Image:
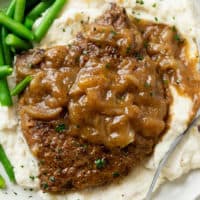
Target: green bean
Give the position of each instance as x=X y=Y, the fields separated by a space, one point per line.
x=2 y=182
x=31 y=3
x=48 y=19
x=21 y=86
x=36 y=13
x=7 y=164
x=28 y=23
x=6 y=49
x=39 y=9
x=1 y=53
x=5 y=98
x=11 y=8
x=5 y=71
x=19 y=10
x=17 y=43
x=16 y=27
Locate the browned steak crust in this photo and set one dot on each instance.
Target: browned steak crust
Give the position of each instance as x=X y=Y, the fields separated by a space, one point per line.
x=68 y=163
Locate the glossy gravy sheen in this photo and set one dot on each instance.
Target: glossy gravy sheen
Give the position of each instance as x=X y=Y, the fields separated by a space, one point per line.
x=110 y=86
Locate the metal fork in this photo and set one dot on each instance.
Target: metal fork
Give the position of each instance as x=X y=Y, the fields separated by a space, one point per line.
x=172 y=146
x=167 y=155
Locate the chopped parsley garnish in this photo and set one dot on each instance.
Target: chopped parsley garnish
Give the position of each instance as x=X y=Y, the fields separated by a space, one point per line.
x=59 y=150
x=60 y=128
x=121 y=97
x=147 y=85
x=77 y=59
x=151 y=93
x=128 y=50
x=173 y=17
x=178 y=38
x=15 y=193
x=154 y=5
x=113 y=33
x=45 y=186
x=165 y=81
x=116 y=174
x=141 y=2
x=32 y=178
x=100 y=163
x=76 y=144
x=145 y=44
x=85 y=146
x=107 y=66
x=139 y=56
x=156 y=19
x=30 y=65
x=41 y=162
x=78 y=126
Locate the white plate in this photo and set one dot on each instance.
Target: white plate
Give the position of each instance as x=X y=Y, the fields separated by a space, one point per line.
x=185 y=188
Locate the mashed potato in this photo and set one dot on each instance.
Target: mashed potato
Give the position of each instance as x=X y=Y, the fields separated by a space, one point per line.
x=185 y=158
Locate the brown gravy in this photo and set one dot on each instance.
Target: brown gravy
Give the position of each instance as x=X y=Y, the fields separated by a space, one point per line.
x=109 y=88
